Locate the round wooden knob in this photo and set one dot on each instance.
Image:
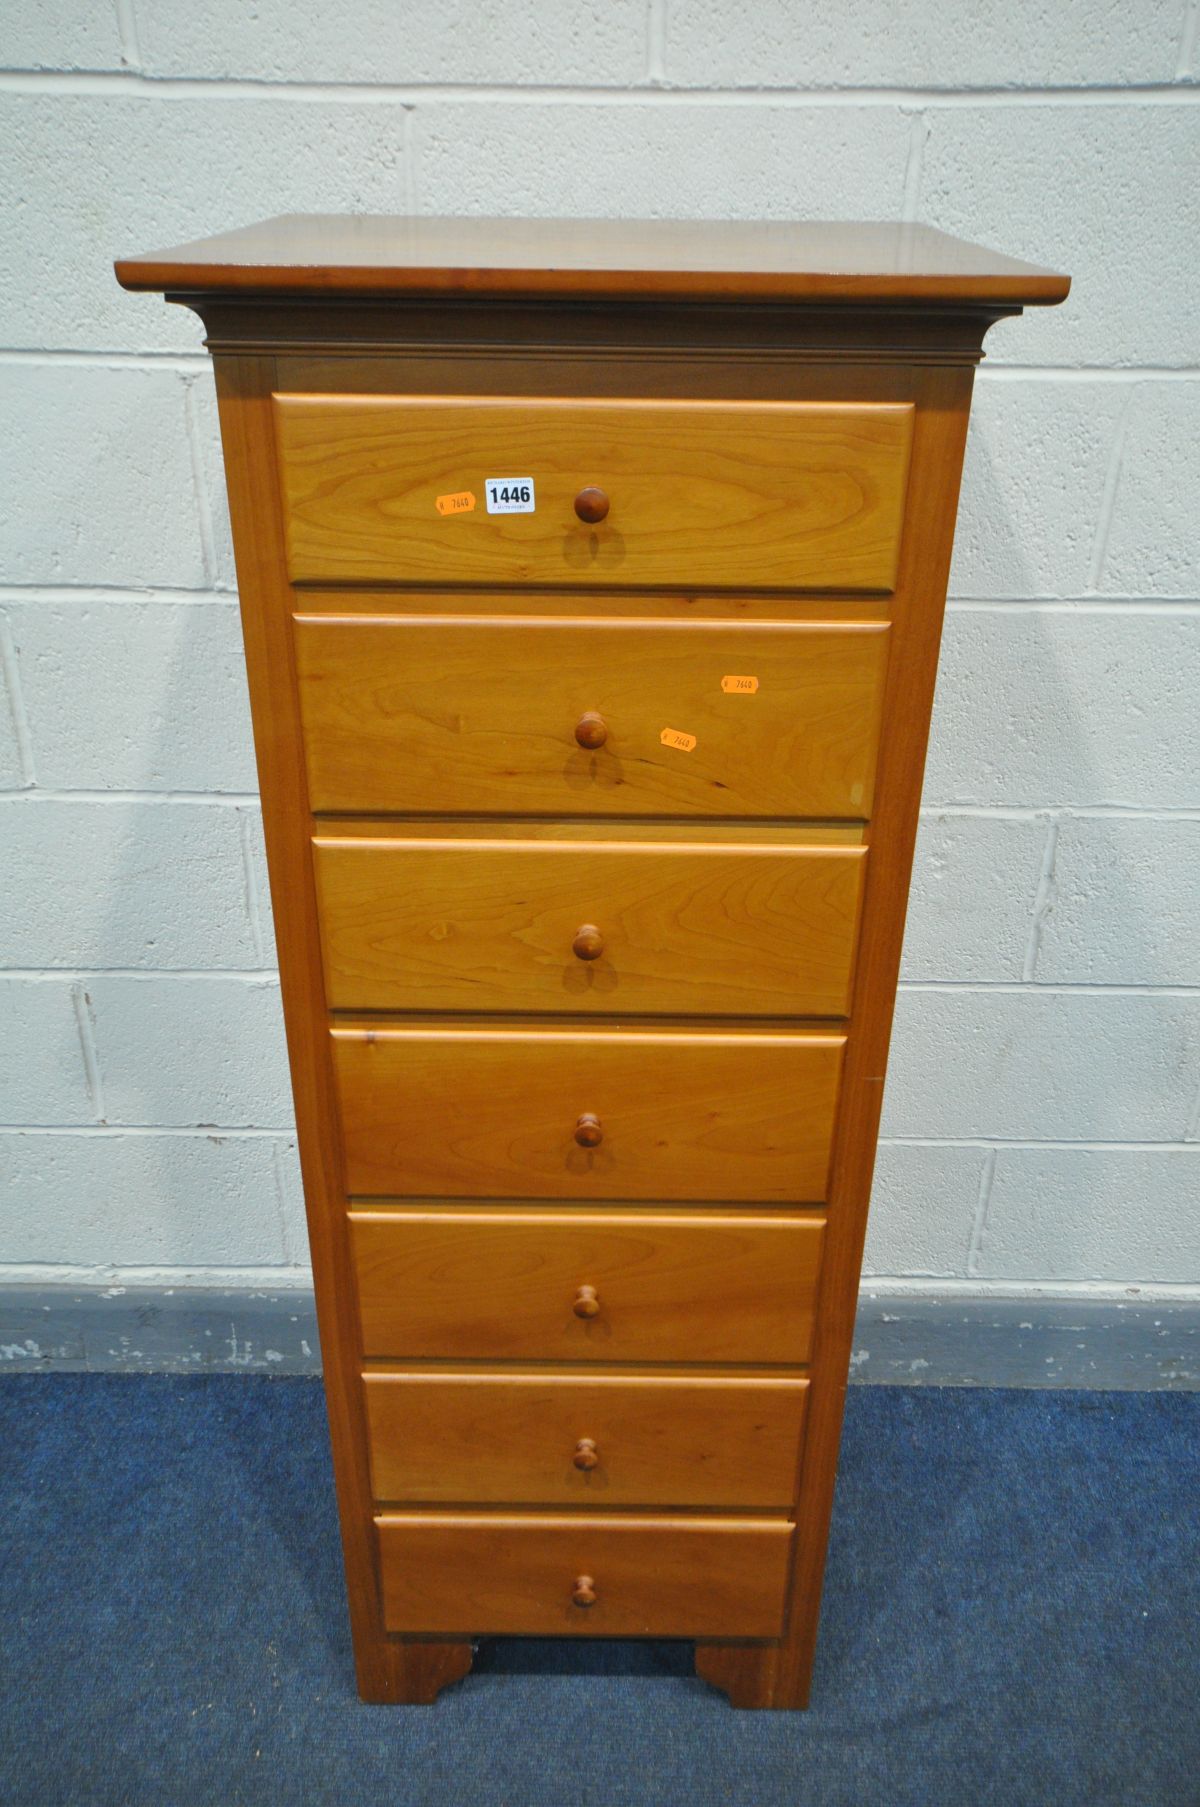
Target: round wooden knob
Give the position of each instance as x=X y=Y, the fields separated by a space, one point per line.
x=590 y=730
x=588 y=943
x=586 y=1305
x=591 y=504
x=589 y=1131
x=586 y=1454
x=584 y=1591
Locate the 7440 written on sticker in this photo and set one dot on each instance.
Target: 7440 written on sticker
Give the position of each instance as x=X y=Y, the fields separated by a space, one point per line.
x=509 y=495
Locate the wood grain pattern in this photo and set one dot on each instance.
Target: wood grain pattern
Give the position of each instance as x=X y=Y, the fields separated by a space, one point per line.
x=790 y=494
x=780 y=1675
x=750 y=606
x=391 y=254
x=407 y=714
x=417 y=924
x=377 y=309
x=493 y=1573
x=387 y=1669
x=418 y=1670
x=685 y=833
x=491 y=1113
x=488 y=1285
x=766 y=1674
x=656 y=1440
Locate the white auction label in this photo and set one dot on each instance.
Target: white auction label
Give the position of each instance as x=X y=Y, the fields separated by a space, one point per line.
x=509 y=495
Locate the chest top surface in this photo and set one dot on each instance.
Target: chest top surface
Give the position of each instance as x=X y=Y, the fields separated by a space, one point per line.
x=701 y=260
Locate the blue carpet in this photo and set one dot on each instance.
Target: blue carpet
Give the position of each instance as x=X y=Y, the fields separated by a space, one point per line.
x=1010 y=1617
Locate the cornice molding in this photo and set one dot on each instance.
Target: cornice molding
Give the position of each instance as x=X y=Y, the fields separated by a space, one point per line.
x=333 y=326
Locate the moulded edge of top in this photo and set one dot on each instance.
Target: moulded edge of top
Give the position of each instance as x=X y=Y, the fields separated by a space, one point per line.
x=764 y=261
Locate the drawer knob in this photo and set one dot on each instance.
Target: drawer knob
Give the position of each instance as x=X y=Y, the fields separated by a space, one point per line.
x=586 y=1305
x=591 y=504
x=584 y=1591
x=589 y=1131
x=586 y=1456
x=590 y=730
x=588 y=943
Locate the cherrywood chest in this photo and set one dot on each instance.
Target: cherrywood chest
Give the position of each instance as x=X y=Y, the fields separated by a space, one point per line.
x=592 y=578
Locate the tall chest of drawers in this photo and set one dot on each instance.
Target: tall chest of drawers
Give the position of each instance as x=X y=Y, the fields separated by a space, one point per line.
x=592 y=579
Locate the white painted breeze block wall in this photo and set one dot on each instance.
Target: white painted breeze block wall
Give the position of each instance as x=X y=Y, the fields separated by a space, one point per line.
x=1042 y=1114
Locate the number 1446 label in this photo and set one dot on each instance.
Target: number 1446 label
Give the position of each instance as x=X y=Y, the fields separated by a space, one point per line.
x=509 y=495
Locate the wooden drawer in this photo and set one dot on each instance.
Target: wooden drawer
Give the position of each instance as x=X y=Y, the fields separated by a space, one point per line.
x=684 y=928
x=568 y=1439
x=508 y=1574
x=503 y=1113
x=491 y=1285
x=479 y=714
x=775 y=495
x=517 y=1575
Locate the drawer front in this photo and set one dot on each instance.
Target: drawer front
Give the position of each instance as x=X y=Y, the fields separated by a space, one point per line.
x=656 y=1287
x=570 y=1439
x=586 y=1113
x=485 y=715
x=421 y=924
x=493 y=1573
x=779 y=495
x=530 y=1574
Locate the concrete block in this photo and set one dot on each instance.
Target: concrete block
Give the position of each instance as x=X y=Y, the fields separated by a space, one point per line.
x=922 y=1210
x=61 y=34
x=136 y=696
x=141 y=1201
x=1106 y=192
x=541 y=42
x=12 y=766
x=1125 y=906
x=1043 y=1066
x=1034 y=43
x=974 y=885
x=661 y=162
x=132 y=174
x=1153 y=546
x=1073 y=708
x=42 y=1074
x=122 y=884
x=260 y=882
x=1124 y=1215
x=204 y=1052
x=11 y=771
x=291 y=1196
x=212 y=463
x=1038 y=452
x=101 y=489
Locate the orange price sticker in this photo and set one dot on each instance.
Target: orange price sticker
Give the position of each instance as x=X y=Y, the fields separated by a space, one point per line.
x=462 y=503
x=739 y=686
x=672 y=737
